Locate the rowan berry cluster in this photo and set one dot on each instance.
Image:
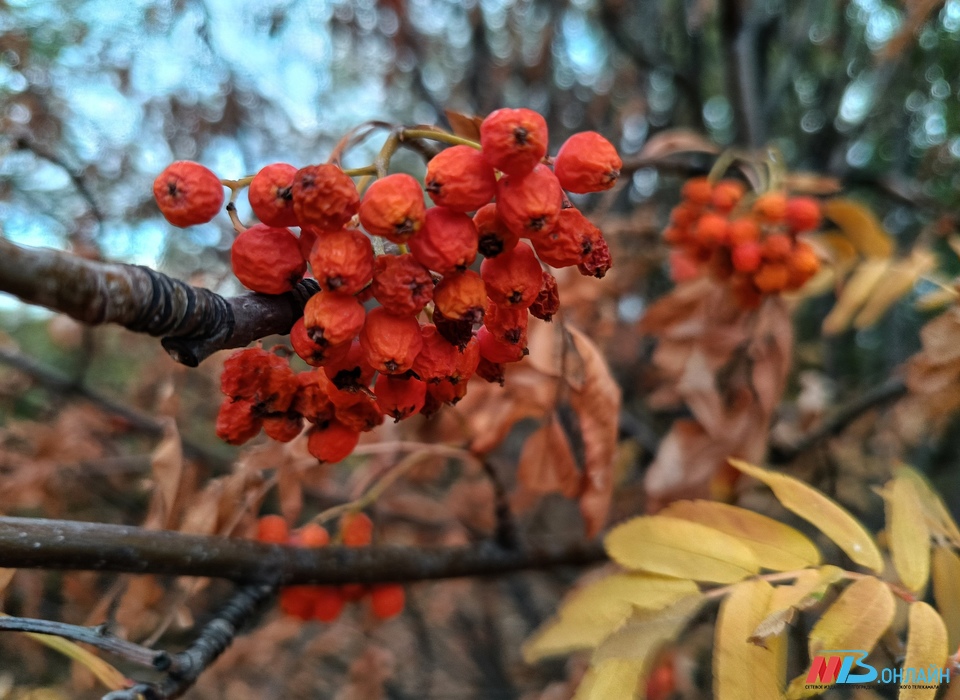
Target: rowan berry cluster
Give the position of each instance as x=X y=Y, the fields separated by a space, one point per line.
x=325 y=603
x=751 y=242
x=402 y=332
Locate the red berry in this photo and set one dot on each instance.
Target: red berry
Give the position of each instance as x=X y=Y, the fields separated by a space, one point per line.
x=497 y=351
x=333 y=319
x=803 y=214
x=187 y=193
x=447 y=242
x=271 y=195
x=328 y=603
x=282 y=427
x=438 y=356
x=333 y=442
x=393 y=208
x=459 y=178
x=297 y=601
x=461 y=296
x=697 y=191
x=401 y=284
x=513 y=278
x=711 y=230
x=342 y=261
x=743 y=230
x=746 y=257
x=314 y=354
x=312 y=535
x=495 y=237
x=399 y=398
x=777 y=247
x=350 y=372
x=530 y=205
x=596 y=260
x=771 y=207
x=514 y=140
x=272 y=529
x=324 y=196
x=587 y=162
x=547 y=303
x=390 y=343
x=772 y=277
x=236 y=421
x=508 y=324
x=726 y=195
x=563 y=246
x=387 y=600
x=356 y=529
x=267 y=259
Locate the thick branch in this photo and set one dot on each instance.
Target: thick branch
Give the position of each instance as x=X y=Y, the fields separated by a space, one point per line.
x=193 y=321
x=62 y=544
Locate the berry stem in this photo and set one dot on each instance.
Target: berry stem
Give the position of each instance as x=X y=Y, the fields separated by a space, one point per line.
x=237 y=185
x=437 y=135
x=355 y=137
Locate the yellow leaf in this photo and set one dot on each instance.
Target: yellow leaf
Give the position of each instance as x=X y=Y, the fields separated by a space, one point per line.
x=808 y=590
x=856 y=291
x=777 y=546
x=826 y=515
x=598 y=609
x=936 y=299
x=741 y=669
x=938 y=518
x=674 y=547
x=897 y=282
x=857 y=619
x=643 y=636
x=926 y=647
x=105 y=673
x=907 y=533
x=861 y=226
x=946 y=590
x=614 y=679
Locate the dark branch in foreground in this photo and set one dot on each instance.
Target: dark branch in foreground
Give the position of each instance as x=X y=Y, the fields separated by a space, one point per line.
x=185 y=668
x=70 y=545
x=194 y=322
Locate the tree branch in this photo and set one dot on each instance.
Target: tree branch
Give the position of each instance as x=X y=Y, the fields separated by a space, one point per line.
x=63 y=544
x=193 y=321
x=739 y=36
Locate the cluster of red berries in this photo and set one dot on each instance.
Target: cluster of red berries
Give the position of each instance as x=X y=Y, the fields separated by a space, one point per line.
x=325 y=603
x=753 y=243
x=436 y=322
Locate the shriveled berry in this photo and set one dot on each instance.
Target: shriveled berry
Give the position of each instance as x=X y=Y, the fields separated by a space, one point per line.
x=683 y=268
x=393 y=208
x=587 y=162
x=563 y=245
x=803 y=214
x=271 y=195
x=352 y=371
x=267 y=259
x=187 y=193
x=356 y=529
x=312 y=400
x=460 y=178
x=401 y=284
x=496 y=350
x=456 y=332
x=514 y=140
x=357 y=410
x=314 y=354
x=508 y=324
x=260 y=376
x=461 y=296
x=495 y=237
x=342 y=261
x=272 y=529
x=513 y=278
x=390 y=343
x=492 y=372
x=387 y=600
x=438 y=356
x=467 y=362
x=443 y=392
x=236 y=421
x=333 y=319
x=547 y=303
x=282 y=427
x=333 y=442
x=746 y=257
x=400 y=398
x=324 y=196
x=447 y=242
x=743 y=230
x=530 y=205
x=772 y=277
x=596 y=261
x=771 y=207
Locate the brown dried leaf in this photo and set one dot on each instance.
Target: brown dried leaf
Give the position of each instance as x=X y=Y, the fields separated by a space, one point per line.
x=289 y=491
x=464 y=125
x=799 y=182
x=6 y=576
x=547 y=464
x=166 y=464
x=670 y=141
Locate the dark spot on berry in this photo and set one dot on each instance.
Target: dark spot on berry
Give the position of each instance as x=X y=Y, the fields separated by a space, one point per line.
x=404 y=227
x=172 y=188
x=391 y=366
x=433 y=187
x=490 y=245
x=347 y=379
x=285 y=193
x=334 y=283
x=520 y=135
x=515 y=297
x=536 y=223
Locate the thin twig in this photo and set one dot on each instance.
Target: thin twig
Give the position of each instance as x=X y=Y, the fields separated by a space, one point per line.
x=69 y=545
x=505 y=534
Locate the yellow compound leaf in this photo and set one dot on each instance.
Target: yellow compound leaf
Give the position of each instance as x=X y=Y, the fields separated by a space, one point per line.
x=778 y=547
x=939 y=520
x=673 y=547
x=642 y=637
x=614 y=679
x=926 y=647
x=807 y=590
x=857 y=619
x=898 y=281
x=862 y=283
x=907 y=533
x=946 y=590
x=741 y=669
x=861 y=226
x=598 y=609
x=825 y=514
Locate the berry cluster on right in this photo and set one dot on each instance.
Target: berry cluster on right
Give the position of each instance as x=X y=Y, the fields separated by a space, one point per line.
x=754 y=243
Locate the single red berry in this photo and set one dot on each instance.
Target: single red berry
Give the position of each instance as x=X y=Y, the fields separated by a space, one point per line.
x=313 y=535
x=312 y=400
x=267 y=259
x=514 y=140
x=491 y=371
x=459 y=178
x=777 y=247
x=356 y=529
x=513 y=278
x=683 y=268
x=726 y=195
x=461 y=296
x=393 y=208
x=803 y=264
x=803 y=214
x=587 y=162
x=350 y=372
x=438 y=357
x=547 y=303
x=390 y=343
x=456 y=332
x=711 y=230
x=508 y=324
x=743 y=230
x=261 y=377
x=333 y=442
x=271 y=195
x=466 y=367
x=399 y=398
x=443 y=392
x=697 y=191
x=563 y=245
x=496 y=350
x=272 y=529
x=772 y=277
x=297 y=601
x=314 y=354
x=357 y=410
x=387 y=600
x=333 y=319
x=447 y=242
x=596 y=260
x=746 y=257
x=324 y=196
x=328 y=603
x=282 y=427
x=495 y=237
x=308 y=237
x=236 y=421
x=401 y=284
x=530 y=205
x=771 y=207
x=187 y=193
x=342 y=261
